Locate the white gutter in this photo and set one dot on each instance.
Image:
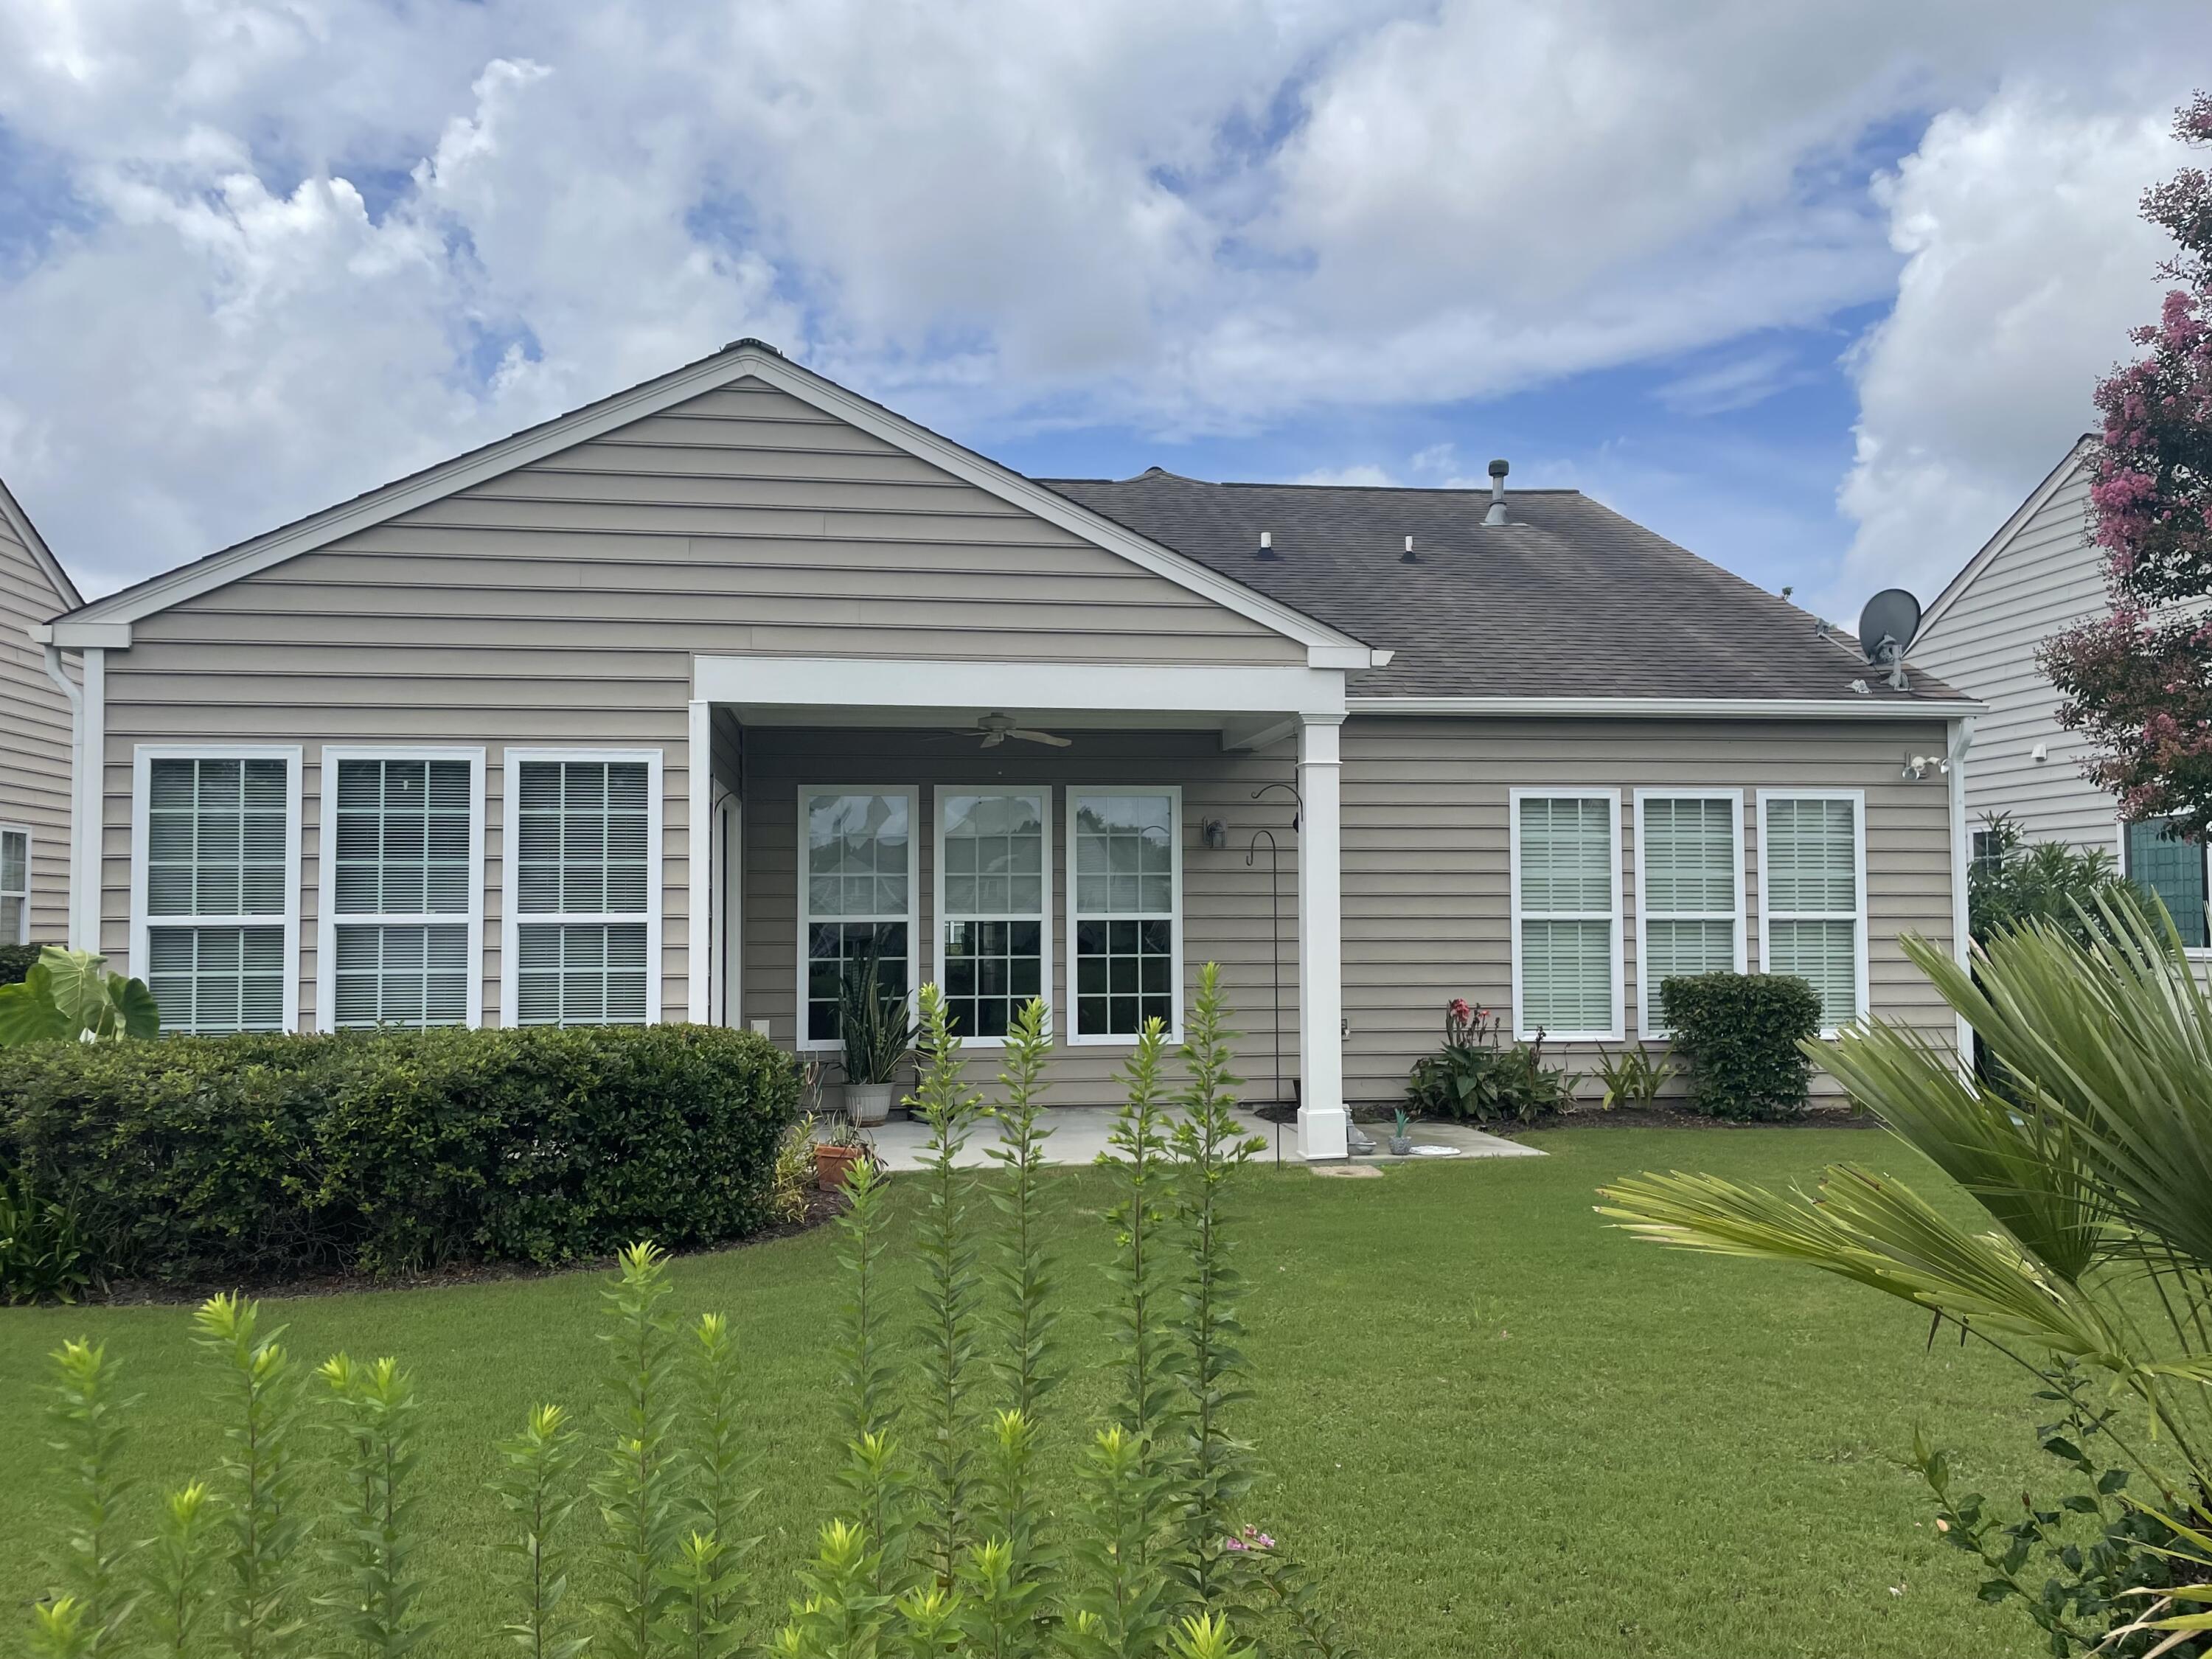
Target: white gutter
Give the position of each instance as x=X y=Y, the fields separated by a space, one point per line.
x=1773 y=708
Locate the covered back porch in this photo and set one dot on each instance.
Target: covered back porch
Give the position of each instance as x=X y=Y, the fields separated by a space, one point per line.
x=1190 y=816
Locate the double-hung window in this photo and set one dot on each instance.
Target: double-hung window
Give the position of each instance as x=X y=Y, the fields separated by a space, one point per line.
x=401 y=913
x=1689 y=890
x=858 y=891
x=2171 y=870
x=992 y=940
x=215 y=884
x=1565 y=879
x=15 y=884
x=1125 y=911
x=582 y=917
x=1811 y=894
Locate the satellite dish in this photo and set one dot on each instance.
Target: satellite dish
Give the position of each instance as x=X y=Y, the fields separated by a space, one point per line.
x=1886 y=628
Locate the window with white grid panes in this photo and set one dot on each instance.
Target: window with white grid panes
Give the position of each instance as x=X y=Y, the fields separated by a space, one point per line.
x=401 y=875
x=857 y=885
x=15 y=884
x=217 y=890
x=993 y=901
x=583 y=875
x=1125 y=861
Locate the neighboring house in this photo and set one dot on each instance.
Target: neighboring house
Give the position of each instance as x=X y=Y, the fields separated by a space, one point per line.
x=35 y=739
x=673 y=705
x=2042 y=572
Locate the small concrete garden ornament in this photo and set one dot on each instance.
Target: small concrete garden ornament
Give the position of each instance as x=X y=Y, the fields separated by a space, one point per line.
x=1401 y=1137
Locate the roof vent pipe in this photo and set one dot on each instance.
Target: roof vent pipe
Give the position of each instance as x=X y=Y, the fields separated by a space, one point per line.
x=1266 y=545
x=1496 y=514
x=1409 y=556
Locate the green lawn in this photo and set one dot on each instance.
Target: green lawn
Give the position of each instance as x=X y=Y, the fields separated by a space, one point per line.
x=1493 y=1425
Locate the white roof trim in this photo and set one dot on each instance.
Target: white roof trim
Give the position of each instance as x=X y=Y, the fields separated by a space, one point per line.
x=1777 y=709
x=2038 y=499
x=19 y=525
x=747 y=359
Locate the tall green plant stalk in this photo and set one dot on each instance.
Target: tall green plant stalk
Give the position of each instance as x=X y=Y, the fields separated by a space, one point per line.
x=1210 y=1145
x=947 y=1338
x=1141 y=1272
x=1027 y=1368
x=878 y=1483
x=720 y=1499
x=263 y=1608
x=1004 y=1578
x=537 y=1488
x=177 y=1568
x=637 y=1484
x=87 y=1425
x=842 y=1615
x=1124 y=1606
x=700 y=1582
x=59 y=1629
x=375 y=1406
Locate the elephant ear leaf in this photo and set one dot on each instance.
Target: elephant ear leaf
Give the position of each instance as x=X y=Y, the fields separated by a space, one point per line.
x=135 y=1006
x=77 y=987
x=27 y=1013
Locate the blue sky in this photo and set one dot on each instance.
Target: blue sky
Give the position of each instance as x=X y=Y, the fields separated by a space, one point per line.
x=1819 y=291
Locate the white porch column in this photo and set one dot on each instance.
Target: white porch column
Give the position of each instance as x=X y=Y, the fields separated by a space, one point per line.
x=1323 y=1123
x=699 y=967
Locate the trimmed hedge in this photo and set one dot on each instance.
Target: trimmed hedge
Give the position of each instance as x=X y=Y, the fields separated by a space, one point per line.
x=203 y=1158
x=16 y=961
x=1740 y=1034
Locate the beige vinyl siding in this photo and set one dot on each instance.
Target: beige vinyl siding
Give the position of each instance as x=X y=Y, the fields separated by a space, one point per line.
x=561 y=605
x=1225 y=912
x=2047 y=577
x=1427 y=877
x=35 y=736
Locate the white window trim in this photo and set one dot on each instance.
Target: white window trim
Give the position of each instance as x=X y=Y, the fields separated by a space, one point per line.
x=1768 y=914
x=142 y=763
x=30 y=841
x=511 y=764
x=1521 y=1028
x=327 y=919
x=1646 y=998
x=1041 y=794
x=912 y=794
x=1076 y=1037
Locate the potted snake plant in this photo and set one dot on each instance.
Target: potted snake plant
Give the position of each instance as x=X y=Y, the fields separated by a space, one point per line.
x=876 y=1028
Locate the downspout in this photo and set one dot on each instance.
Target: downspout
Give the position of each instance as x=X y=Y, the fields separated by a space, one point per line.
x=1961 y=739
x=70 y=689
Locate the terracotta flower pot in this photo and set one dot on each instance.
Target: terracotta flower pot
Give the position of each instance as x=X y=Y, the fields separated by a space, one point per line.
x=833 y=1166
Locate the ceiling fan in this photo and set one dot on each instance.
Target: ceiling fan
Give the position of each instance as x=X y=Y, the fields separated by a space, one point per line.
x=995 y=729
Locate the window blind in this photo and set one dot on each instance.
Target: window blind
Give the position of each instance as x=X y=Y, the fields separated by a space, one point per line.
x=1811 y=898
x=1566 y=885
x=1692 y=867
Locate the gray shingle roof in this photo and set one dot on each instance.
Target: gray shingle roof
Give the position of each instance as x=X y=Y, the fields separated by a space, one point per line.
x=1570 y=599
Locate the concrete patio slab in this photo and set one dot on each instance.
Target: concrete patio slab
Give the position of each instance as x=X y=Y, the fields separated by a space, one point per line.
x=1078 y=1136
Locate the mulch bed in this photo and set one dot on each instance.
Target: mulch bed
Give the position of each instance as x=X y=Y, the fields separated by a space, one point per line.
x=821 y=1207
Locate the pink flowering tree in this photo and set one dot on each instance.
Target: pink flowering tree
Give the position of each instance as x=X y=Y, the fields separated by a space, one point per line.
x=2139 y=681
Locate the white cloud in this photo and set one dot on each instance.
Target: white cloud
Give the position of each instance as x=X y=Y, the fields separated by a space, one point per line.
x=283 y=250
x=2025 y=263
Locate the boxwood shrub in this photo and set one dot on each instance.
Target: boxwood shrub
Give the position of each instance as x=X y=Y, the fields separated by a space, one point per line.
x=1740 y=1033
x=201 y=1159
x=16 y=961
